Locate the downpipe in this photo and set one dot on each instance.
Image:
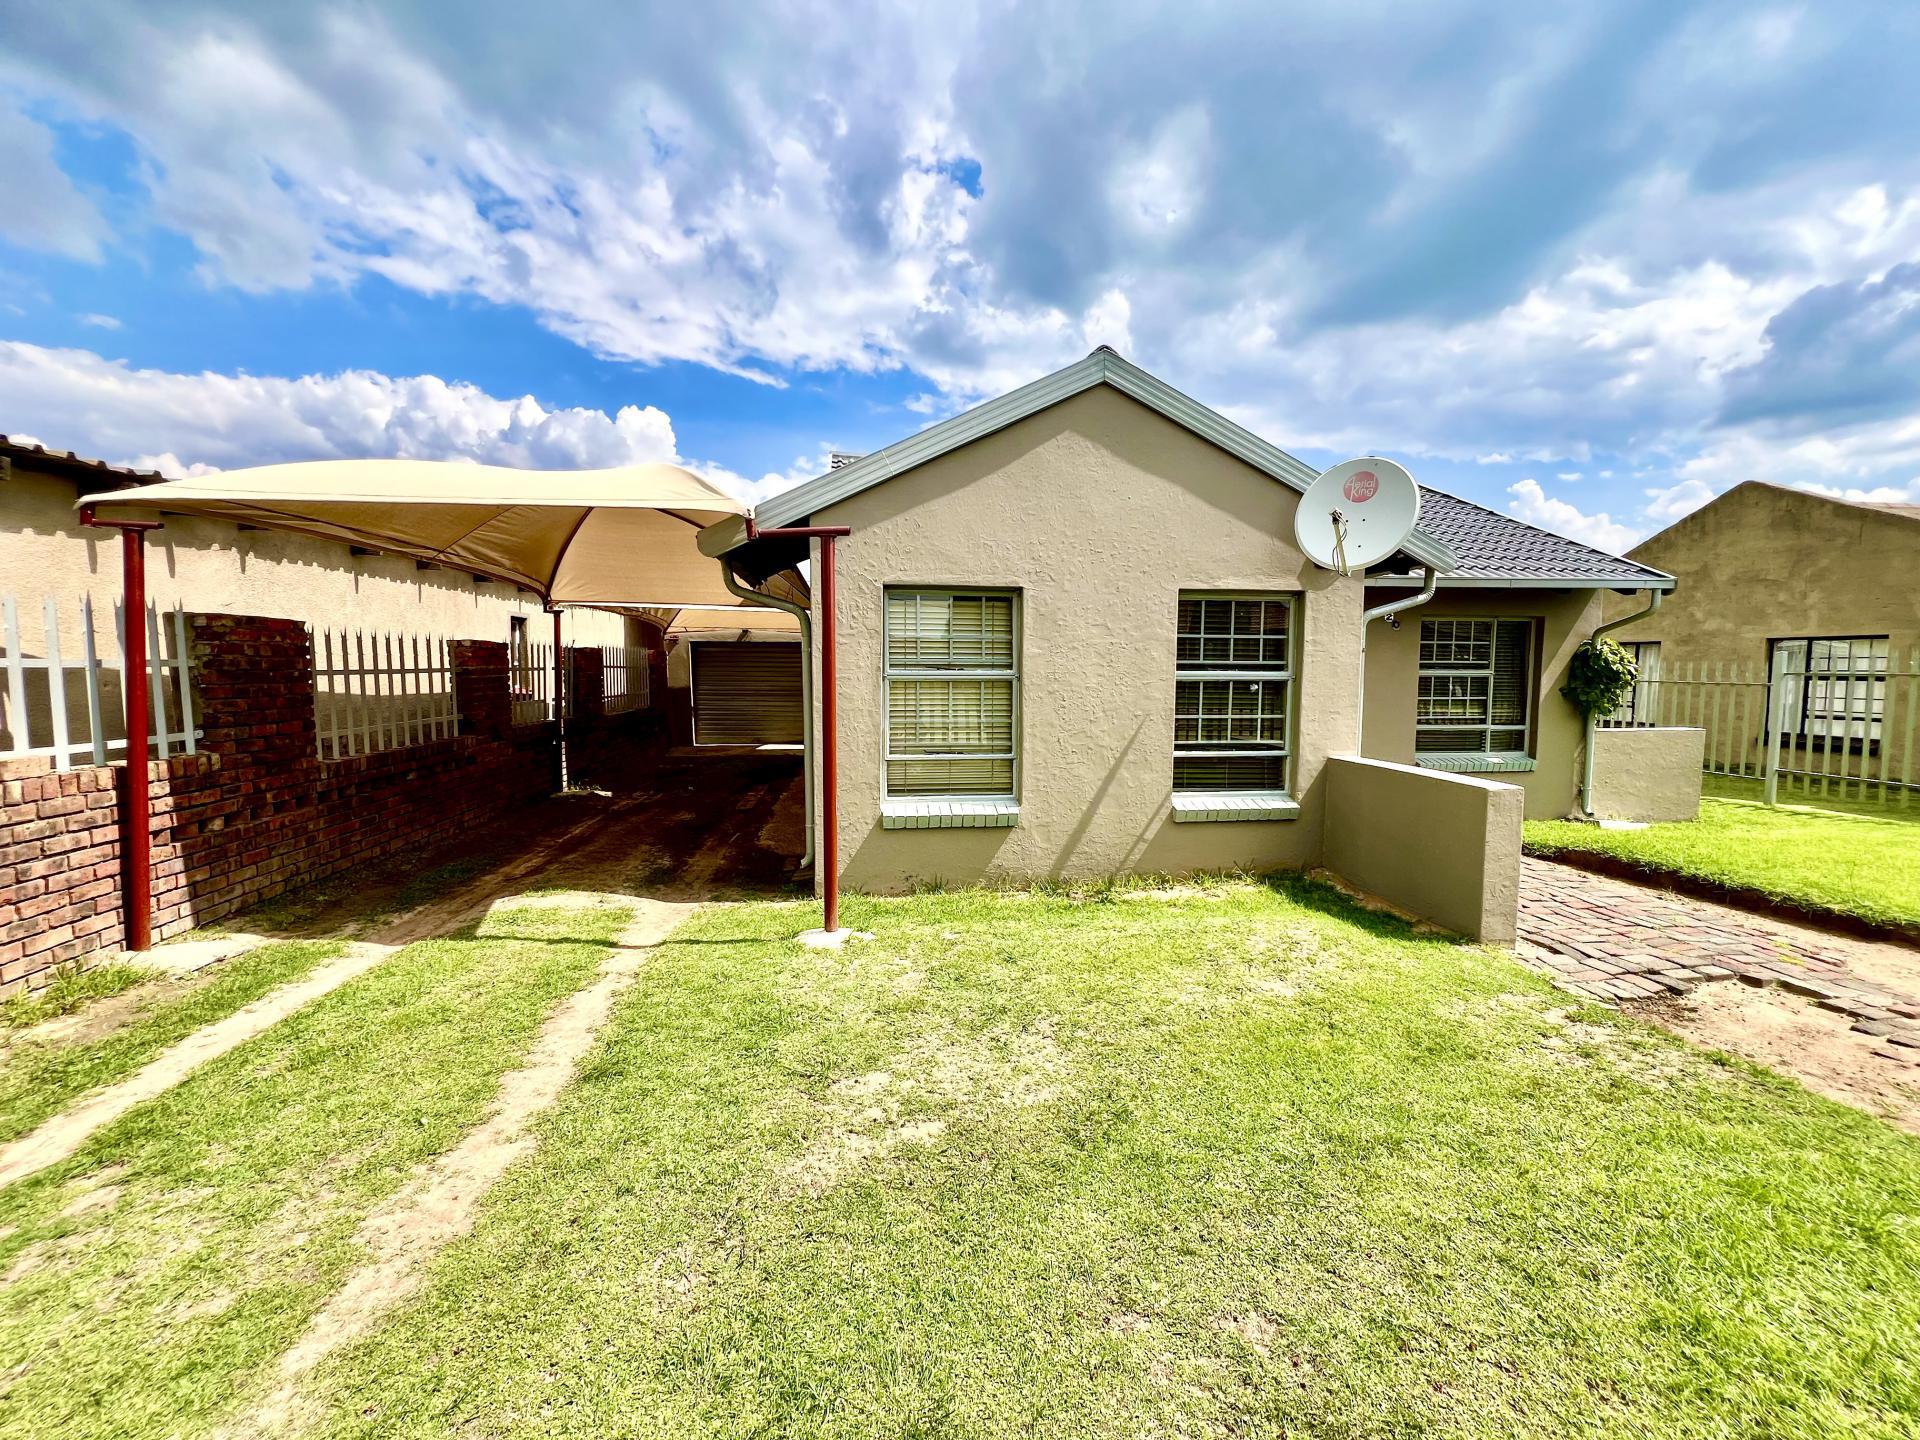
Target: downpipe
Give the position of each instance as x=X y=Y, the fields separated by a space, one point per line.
x=1593 y=724
x=801 y=614
x=1382 y=612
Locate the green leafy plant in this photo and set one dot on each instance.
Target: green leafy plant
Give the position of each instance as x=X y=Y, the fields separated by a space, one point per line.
x=1599 y=676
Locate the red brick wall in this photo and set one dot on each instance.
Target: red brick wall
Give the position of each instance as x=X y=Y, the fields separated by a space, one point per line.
x=255 y=812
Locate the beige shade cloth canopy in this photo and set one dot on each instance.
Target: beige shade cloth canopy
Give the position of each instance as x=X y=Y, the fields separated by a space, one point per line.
x=621 y=538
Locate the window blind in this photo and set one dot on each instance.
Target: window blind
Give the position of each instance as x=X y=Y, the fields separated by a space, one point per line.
x=1475 y=691
x=952 y=693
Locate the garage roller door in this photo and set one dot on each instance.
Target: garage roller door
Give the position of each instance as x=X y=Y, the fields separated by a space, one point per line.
x=746 y=694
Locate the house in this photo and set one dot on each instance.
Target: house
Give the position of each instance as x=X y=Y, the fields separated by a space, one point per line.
x=1075 y=637
x=1830 y=587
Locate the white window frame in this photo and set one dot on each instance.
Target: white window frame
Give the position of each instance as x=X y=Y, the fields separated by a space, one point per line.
x=1285 y=677
x=1448 y=759
x=891 y=672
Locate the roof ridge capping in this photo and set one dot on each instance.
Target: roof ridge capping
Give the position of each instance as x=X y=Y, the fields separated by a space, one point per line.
x=1104 y=365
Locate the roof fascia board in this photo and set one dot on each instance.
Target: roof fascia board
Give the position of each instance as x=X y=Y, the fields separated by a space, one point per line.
x=1103 y=366
x=1534 y=582
x=970 y=425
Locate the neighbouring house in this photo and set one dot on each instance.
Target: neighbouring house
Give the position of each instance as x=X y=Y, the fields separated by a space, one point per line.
x=1828 y=588
x=1076 y=637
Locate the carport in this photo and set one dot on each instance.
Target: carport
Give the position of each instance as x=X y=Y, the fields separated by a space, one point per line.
x=619 y=539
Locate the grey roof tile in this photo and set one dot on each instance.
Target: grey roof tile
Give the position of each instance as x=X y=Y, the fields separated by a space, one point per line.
x=1492 y=546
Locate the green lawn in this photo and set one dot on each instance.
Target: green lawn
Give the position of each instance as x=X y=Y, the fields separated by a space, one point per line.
x=147 y=1284
x=38 y=1079
x=73 y=987
x=1241 y=1160
x=1851 y=859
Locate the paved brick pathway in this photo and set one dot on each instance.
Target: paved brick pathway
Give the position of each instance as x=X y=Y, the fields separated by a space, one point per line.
x=1612 y=940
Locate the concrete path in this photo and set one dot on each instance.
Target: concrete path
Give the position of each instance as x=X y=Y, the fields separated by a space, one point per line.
x=1617 y=941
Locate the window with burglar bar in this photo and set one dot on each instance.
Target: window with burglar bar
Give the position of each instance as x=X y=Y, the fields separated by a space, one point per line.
x=1476 y=687
x=1233 y=682
x=1640 y=705
x=953 y=690
x=1837 y=688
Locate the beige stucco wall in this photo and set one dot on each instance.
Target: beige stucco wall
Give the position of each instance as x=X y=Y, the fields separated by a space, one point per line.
x=209 y=565
x=1099 y=512
x=1563 y=619
x=1764 y=563
x=1440 y=846
x=1650 y=774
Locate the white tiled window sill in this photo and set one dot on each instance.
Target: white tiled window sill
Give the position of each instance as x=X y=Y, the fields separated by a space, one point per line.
x=1215 y=806
x=948 y=814
x=1504 y=762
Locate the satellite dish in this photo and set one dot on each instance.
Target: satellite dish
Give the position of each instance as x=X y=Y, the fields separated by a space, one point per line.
x=1356 y=514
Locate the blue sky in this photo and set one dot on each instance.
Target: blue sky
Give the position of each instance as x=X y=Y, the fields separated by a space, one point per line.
x=1588 y=265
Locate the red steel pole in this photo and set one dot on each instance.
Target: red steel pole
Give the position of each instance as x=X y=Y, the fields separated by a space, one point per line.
x=560 y=698
x=829 y=738
x=829 y=708
x=137 y=805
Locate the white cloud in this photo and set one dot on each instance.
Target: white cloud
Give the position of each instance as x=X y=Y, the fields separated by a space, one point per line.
x=1664 y=506
x=100 y=322
x=1106 y=322
x=42 y=209
x=182 y=424
x=1533 y=505
x=1568 y=475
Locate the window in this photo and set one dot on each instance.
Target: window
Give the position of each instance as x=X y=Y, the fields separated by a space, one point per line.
x=1641 y=707
x=1233 y=674
x=1476 y=687
x=953 y=690
x=1837 y=688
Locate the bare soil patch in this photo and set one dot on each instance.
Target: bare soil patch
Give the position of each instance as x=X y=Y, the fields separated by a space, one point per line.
x=870 y=1116
x=1788 y=1033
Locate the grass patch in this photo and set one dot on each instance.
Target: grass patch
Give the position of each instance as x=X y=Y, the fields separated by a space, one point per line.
x=1218 y=1160
x=72 y=986
x=1859 y=861
x=39 y=1078
x=151 y=1279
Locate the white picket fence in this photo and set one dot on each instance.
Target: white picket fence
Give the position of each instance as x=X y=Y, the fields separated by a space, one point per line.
x=530 y=682
x=1829 y=719
x=623 y=679
x=382 y=691
x=71 y=706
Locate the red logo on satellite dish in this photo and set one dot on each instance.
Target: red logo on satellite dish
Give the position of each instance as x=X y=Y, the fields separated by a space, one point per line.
x=1361 y=486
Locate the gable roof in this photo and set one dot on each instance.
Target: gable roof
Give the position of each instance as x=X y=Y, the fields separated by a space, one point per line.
x=1102 y=367
x=1498 y=550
